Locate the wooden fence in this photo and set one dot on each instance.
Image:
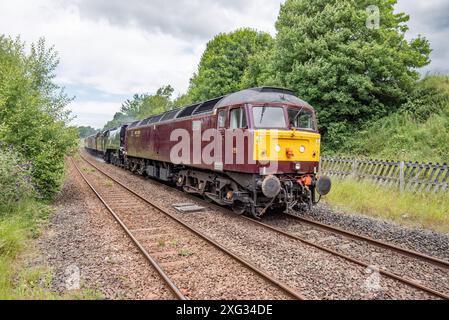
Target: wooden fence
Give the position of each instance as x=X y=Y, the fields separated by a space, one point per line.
x=409 y=176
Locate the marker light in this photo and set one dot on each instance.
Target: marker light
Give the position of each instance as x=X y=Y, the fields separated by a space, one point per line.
x=277 y=148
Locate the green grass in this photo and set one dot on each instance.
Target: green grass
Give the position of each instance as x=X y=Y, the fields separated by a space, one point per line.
x=429 y=211
x=89 y=170
x=19 y=226
x=108 y=184
x=161 y=243
x=184 y=253
x=173 y=243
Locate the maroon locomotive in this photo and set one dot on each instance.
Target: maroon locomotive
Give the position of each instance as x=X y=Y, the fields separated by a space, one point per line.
x=253 y=150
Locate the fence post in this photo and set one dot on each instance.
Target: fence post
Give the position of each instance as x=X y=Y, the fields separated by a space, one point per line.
x=401 y=176
x=354 y=168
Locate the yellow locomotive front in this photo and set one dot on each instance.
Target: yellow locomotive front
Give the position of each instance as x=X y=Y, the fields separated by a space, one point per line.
x=286 y=151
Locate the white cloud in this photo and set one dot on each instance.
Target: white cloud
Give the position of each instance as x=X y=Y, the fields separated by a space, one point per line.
x=430 y=19
x=117 y=48
x=109 y=58
x=189 y=19
x=94 y=113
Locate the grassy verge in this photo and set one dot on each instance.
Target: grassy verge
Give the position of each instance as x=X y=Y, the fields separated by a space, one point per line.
x=429 y=211
x=19 y=226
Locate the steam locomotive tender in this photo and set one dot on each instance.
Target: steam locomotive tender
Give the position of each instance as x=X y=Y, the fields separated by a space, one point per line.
x=263 y=142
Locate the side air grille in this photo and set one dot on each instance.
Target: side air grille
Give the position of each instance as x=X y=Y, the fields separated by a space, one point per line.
x=187 y=111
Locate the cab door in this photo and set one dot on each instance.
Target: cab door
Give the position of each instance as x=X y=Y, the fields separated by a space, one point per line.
x=222 y=122
x=237 y=149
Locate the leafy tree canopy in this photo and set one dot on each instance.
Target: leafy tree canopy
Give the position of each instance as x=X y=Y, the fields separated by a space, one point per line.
x=142 y=106
x=118 y=120
x=351 y=73
x=224 y=63
x=33 y=118
x=84 y=131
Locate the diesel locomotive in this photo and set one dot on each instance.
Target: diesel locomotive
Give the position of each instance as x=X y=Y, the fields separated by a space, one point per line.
x=254 y=150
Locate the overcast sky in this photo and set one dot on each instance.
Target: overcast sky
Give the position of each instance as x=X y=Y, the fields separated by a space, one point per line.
x=111 y=49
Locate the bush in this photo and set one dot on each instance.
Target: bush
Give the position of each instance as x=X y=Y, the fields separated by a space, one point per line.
x=33 y=118
x=15 y=179
x=418 y=132
x=430 y=97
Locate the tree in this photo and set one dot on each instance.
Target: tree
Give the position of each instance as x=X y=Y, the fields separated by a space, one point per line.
x=352 y=73
x=33 y=118
x=224 y=63
x=118 y=120
x=182 y=101
x=84 y=131
x=142 y=106
x=156 y=103
x=131 y=108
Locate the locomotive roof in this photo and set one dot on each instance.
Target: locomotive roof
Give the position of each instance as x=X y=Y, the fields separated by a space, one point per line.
x=260 y=94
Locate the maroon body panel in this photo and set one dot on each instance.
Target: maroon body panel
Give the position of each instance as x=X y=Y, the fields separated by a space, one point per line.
x=153 y=142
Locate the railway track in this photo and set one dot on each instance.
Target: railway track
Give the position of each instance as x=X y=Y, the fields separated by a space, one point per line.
x=126 y=205
x=410 y=253
x=382 y=271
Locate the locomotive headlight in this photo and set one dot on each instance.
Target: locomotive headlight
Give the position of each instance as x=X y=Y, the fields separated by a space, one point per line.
x=277 y=148
x=302 y=149
x=297 y=166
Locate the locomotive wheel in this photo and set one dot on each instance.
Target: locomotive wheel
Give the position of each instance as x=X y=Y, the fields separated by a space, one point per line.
x=238 y=207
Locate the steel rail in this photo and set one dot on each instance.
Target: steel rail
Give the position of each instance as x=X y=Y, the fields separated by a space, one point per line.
x=323 y=248
x=389 y=274
x=328 y=250
x=242 y=261
x=152 y=261
x=404 y=251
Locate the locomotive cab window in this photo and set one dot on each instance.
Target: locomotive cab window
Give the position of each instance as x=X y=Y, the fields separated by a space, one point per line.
x=238 y=119
x=222 y=119
x=301 y=119
x=269 y=117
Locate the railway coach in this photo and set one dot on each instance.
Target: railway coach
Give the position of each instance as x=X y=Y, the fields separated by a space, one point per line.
x=254 y=150
x=90 y=143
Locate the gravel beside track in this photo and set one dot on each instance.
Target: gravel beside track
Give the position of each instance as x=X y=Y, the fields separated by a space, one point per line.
x=83 y=236
x=318 y=275
x=200 y=270
x=422 y=272
x=425 y=241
